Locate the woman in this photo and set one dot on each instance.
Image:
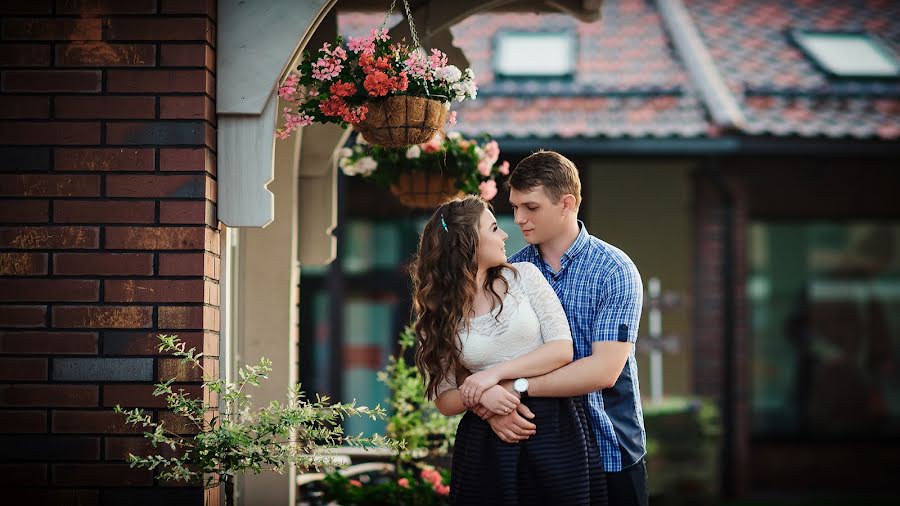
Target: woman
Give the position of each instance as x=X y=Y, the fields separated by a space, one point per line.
x=478 y=313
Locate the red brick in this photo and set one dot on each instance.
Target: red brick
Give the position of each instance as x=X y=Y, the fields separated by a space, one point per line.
x=153 y=290
x=23 y=316
x=24 y=422
x=105 y=159
x=188 y=55
x=51 y=81
x=192 y=212
x=47 y=185
x=52 y=29
x=188 y=317
x=104 y=211
x=155 y=238
x=144 y=343
x=182 y=264
x=141 y=396
x=49 y=290
x=104 y=54
x=207 y=7
x=23 y=475
x=164 y=133
x=62 y=343
x=100 y=475
x=101 y=422
x=187 y=159
x=105 y=107
x=64 y=396
x=49 y=237
x=23 y=264
x=193 y=107
x=19 y=107
x=24 y=211
x=41 y=132
x=102 y=317
x=85 y=7
x=26 y=7
x=178 y=423
x=158 y=81
x=103 y=264
x=24 y=55
x=23 y=369
x=167 y=28
x=156 y=186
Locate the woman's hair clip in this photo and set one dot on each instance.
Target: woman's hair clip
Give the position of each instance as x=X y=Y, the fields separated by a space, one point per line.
x=443 y=223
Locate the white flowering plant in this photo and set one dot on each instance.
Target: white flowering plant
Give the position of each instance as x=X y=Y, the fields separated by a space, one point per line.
x=335 y=83
x=474 y=164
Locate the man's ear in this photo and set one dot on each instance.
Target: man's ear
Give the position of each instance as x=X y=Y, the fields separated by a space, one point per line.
x=569 y=205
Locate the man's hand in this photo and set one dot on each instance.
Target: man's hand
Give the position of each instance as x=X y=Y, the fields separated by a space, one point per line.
x=514 y=427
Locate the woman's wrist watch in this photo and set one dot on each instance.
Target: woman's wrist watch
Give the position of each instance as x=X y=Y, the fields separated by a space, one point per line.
x=521 y=386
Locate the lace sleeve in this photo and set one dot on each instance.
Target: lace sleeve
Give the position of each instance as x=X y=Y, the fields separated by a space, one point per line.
x=448 y=383
x=546 y=305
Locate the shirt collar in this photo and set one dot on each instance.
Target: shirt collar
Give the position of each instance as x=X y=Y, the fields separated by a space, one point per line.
x=574 y=250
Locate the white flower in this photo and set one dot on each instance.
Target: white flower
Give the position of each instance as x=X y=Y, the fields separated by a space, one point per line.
x=343 y=162
x=454 y=136
x=345 y=152
x=366 y=165
x=450 y=73
x=360 y=139
x=414 y=151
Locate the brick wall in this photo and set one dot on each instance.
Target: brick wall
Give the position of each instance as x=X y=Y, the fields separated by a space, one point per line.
x=710 y=320
x=108 y=236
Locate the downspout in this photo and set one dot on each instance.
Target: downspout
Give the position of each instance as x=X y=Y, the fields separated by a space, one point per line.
x=729 y=363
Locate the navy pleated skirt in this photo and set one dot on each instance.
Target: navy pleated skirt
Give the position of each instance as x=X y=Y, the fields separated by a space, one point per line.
x=559 y=465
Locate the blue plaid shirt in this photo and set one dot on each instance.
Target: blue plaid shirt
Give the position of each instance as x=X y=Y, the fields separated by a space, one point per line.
x=601 y=292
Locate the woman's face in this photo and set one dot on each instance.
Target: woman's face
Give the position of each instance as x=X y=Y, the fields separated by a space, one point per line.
x=491 y=241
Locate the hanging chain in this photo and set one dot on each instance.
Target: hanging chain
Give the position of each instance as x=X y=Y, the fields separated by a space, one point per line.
x=388 y=17
x=412 y=26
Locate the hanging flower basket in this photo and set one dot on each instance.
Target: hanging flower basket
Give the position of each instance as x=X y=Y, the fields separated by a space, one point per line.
x=394 y=94
x=424 y=190
x=402 y=120
x=424 y=175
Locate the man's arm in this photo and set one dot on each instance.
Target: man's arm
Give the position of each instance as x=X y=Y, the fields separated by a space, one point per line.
x=589 y=374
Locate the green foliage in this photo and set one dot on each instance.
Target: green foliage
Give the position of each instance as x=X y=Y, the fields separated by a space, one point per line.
x=240 y=438
x=414 y=420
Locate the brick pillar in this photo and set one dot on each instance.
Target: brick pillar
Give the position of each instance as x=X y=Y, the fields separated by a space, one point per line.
x=713 y=320
x=108 y=236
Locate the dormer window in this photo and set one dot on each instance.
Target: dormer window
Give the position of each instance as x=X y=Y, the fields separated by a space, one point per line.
x=534 y=54
x=848 y=54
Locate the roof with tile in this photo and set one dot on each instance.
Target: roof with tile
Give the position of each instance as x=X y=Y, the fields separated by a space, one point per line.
x=629 y=81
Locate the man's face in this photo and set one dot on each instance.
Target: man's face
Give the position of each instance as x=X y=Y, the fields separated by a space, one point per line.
x=538 y=217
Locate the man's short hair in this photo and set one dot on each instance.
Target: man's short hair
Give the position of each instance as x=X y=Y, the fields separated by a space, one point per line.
x=556 y=173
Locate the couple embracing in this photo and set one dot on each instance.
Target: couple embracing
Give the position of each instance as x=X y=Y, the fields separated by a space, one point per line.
x=537 y=349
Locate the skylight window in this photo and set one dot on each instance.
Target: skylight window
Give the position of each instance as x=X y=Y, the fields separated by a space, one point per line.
x=534 y=54
x=849 y=54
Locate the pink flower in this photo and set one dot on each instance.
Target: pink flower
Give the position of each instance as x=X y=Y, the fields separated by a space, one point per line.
x=326 y=68
x=451 y=120
x=289 y=88
x=504 y=168
x=431 y=476
x=292 y=122
x=365 y=45
x=379 y=34
x=434 y=145
x=356 y=483
x=416 y=64
x=484 y=167
x=403 y=482
x=491 y=152
x=438 y=59
x=488 y=189
x=442 y=489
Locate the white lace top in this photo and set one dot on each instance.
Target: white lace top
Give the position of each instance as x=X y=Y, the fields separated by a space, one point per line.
x=532 y=315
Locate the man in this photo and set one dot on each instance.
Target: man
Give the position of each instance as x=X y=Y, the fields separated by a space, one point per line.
x=601 y=292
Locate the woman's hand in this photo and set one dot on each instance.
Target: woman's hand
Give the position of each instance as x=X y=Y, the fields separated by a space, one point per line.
x=499 y=400
x=475 y=385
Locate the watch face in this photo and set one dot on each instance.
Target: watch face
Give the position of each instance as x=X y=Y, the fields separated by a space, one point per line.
x=520 y=385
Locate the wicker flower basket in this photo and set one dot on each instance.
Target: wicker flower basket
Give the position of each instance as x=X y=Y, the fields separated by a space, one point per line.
x=424 y=190
x=402 y=120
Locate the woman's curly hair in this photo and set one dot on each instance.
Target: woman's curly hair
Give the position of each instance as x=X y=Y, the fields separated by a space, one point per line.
x=444 y=272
